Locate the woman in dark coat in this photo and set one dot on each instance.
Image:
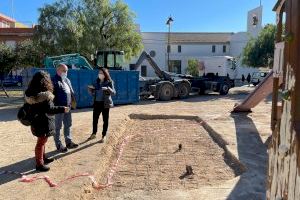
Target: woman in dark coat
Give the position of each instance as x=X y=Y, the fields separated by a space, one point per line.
x=102 y=90
x=40 y=98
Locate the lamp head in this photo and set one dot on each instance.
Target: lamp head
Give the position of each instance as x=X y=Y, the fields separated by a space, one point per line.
x=169 y=21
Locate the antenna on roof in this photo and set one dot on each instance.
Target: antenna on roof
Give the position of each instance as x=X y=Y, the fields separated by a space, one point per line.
x=12 y=9
x=259 y=2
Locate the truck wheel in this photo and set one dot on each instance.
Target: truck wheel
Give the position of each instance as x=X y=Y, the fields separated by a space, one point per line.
x=166 y=92
x=224 y=89
x=183 y=90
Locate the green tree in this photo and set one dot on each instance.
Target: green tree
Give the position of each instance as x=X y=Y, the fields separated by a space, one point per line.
x=7 y=62
x=7 y=59
x=259 y=52
x=59 y=29
x=25 y=54
x=85 y=26
x=193 y=67
x=28 y=55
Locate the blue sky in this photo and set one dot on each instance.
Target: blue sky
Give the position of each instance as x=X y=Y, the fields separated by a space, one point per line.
x=189 y=15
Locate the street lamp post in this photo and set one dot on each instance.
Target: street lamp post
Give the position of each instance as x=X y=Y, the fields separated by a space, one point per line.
x=169 y=21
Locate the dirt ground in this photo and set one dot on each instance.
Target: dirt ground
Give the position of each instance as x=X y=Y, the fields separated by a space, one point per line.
x=151 y=166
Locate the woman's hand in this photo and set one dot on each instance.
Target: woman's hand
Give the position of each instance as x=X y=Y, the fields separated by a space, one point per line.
x=67 y=109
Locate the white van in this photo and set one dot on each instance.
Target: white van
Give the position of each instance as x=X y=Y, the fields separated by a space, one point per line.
x=257 y=77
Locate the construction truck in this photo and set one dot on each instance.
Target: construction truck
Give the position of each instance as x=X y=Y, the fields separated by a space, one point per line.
x=73 y=61
x=165 y=87
x=171 y=85
x=110 y=59
x=210 y=82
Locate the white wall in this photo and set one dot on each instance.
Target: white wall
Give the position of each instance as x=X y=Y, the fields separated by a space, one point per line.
x=238 y=42
x=195 y=51
x=158 y=42
x=200 y=49
x=154 y=42
x=4 y=24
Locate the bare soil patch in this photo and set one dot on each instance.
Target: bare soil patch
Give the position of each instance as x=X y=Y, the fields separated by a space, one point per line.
x=158 y=153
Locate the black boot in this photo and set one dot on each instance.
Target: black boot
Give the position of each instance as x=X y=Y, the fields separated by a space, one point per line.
x=72 y=145
x=42 y=168
x=48 y=160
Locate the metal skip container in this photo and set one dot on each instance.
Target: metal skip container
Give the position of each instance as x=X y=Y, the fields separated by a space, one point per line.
x=126 y=84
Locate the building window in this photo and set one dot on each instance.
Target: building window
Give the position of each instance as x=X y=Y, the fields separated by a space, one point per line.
x=224 y=48
x=144 y=70
x=179 y=48
x=175 y=66
x=168 y=48
x=213 y=48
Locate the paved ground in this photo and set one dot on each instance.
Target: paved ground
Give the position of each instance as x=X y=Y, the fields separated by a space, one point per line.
x=244 y=136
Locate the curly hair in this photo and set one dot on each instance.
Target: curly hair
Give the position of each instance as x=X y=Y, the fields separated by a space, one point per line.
x=41 y=82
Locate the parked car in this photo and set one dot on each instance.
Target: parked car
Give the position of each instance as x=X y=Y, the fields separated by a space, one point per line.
x=257 y=77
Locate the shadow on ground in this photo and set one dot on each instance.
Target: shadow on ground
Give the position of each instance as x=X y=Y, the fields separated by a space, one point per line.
x=8 y=114
x=252 y=153
x=27 y=167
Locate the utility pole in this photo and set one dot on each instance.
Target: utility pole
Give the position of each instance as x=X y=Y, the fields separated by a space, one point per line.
x=169 y=22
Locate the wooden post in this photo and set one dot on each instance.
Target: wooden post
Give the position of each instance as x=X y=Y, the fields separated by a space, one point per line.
x=284 y=153
x=295 y=64
x=275 y=115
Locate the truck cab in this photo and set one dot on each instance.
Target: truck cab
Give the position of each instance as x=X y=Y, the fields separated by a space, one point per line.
x=110 y=59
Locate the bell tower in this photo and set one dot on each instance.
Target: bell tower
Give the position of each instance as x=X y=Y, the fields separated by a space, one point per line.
x=254 y=23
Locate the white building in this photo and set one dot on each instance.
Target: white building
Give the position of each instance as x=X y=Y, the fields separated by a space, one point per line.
x=186 y=46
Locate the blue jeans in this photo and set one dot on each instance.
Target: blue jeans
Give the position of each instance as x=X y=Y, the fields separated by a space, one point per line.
x=65 y=118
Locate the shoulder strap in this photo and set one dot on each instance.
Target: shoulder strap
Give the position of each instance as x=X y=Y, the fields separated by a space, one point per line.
x=68 y=82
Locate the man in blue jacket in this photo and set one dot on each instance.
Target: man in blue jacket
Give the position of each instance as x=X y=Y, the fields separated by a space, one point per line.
x=63 y=93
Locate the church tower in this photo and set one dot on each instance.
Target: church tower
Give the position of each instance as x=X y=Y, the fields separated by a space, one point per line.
x=254 y=23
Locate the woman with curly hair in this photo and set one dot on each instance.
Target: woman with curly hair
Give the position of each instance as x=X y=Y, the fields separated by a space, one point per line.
x=40 y=98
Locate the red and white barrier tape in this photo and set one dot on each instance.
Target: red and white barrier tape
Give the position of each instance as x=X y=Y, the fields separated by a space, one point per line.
x=95 y=184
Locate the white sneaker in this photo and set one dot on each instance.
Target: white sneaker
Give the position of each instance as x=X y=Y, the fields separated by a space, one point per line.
x=103 y=140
